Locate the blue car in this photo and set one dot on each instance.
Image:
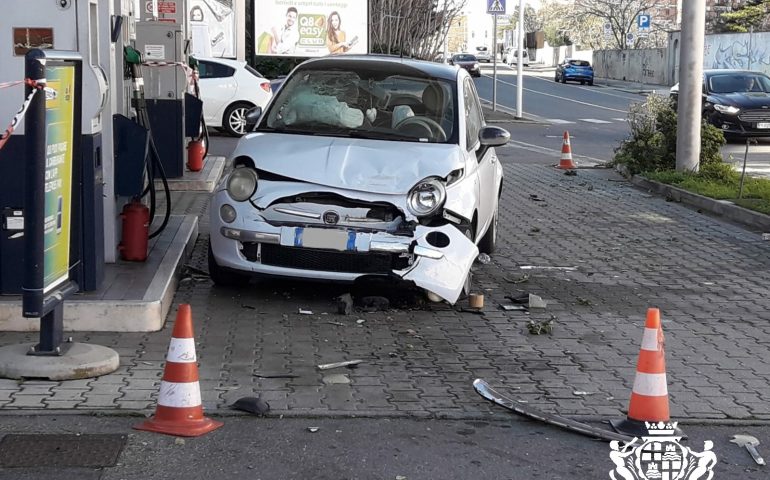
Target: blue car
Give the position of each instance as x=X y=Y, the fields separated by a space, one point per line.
x=575 y=70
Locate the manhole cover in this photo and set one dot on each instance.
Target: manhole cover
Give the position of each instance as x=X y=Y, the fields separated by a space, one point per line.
x=60 y=450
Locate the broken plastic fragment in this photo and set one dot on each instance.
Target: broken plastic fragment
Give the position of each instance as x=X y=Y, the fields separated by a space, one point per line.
x=305 y=312
x=348 y=363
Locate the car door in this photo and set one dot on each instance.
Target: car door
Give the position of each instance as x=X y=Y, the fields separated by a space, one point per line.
x=218 y=88
x=485 y=158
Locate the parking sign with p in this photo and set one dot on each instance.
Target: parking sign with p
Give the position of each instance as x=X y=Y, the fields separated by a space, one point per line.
x=643 y=21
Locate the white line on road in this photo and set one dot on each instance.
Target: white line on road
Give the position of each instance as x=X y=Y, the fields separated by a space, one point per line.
x=619 y=119
x=557 y=121
x=560 y=97
x=593 y=120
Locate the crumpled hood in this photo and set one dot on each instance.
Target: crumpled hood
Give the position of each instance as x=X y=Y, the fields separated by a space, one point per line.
x=375 y=166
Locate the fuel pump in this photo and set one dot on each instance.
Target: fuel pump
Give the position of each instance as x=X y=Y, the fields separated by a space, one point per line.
x=70 y=25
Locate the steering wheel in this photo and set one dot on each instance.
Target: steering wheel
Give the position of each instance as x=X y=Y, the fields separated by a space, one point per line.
x=434 y=129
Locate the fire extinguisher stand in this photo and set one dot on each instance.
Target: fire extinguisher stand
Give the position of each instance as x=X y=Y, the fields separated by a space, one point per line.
x=52 y=130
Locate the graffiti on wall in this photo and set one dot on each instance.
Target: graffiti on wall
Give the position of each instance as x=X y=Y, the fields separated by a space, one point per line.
x=732 y=51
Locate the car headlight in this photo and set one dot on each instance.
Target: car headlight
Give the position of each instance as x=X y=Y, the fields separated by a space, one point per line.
x=242 y=184
x=426 y=197
x=728 y=109
x=475 y=66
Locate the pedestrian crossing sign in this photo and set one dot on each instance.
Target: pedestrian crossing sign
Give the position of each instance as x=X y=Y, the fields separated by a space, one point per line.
x=495 y=7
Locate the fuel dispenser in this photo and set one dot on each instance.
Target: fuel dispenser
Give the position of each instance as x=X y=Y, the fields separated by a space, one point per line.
x=71 y=25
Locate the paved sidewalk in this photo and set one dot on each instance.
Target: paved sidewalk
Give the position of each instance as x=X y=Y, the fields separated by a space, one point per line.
x=599 y=251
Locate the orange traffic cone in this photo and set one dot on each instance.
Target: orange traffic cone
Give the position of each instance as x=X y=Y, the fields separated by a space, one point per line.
x=649 y=396
x=566 y=162
x=179 y=411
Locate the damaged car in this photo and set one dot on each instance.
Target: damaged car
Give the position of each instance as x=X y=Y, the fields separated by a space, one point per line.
x=362 y=166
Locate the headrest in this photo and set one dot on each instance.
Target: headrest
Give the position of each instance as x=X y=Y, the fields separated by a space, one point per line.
x=432 y=98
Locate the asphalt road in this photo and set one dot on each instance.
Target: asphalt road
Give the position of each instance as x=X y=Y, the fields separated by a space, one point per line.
x=594 y=116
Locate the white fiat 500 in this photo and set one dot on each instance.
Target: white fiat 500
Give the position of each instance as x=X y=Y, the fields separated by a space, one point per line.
x=361 y=166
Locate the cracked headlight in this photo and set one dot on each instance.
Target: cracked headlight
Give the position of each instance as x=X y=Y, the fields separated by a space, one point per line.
x=728 y=109
x=426 y=197
x=242 y=184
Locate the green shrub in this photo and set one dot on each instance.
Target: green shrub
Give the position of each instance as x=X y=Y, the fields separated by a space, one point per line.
x=651 y=146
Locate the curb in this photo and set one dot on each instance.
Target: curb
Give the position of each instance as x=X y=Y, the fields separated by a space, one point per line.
x=720 y=208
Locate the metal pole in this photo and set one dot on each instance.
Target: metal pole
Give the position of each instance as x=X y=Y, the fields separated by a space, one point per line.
x=494 y=64
x=688 y=138
x=520 y=64
x=743 y=172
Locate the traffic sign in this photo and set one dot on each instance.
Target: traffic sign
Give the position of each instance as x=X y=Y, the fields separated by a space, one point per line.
x=629 y=39
x=644 y=21
x=608 y=30
x=495 y=7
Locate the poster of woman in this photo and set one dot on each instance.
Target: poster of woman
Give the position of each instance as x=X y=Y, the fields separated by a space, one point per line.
x=310 y=28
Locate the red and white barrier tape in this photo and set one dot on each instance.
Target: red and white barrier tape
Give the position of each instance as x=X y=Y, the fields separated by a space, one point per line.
x=189 y=72
x=11 y=84
x=22 y=111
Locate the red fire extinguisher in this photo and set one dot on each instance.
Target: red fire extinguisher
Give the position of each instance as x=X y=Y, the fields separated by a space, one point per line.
x=195 y=154
x=136 y=231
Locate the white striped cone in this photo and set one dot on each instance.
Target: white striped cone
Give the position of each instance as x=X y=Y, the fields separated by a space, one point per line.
x=180 y=410
x=566 y=162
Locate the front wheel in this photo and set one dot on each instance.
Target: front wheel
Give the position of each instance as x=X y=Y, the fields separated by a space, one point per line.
x=563 y=79
x=224 y=277
x=591 y=83
x=234 y=121
x=488 y=242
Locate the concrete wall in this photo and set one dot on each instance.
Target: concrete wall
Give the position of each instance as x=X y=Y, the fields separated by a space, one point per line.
x=642 y=66
x=732 y=51
x=552 y=56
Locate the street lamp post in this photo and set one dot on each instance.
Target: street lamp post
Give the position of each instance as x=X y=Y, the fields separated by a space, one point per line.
x=688 y=137
x=520 y=64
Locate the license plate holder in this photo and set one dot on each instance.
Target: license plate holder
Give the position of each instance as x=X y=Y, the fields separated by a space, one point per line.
x=325 y=238
x=763 y=125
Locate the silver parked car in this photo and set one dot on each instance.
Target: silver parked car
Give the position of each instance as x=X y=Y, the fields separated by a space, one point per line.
x=362 y=165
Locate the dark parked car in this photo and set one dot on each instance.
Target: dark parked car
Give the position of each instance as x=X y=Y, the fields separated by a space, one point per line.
x=575 y=70
x=468 y=62
x=737 y=102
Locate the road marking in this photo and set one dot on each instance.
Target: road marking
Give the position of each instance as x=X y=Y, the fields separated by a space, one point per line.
x=585 y=160
x=558 y=121
x=619 y=119
x=566 y=99
x=593 y=120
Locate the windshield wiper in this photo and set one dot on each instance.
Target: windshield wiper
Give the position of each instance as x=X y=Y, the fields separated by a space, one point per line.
x=380 y=135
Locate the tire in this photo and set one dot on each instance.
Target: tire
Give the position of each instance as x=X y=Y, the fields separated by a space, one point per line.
x=563 y=79
x=224 y=277
x=234 y=119
x=488 y=242
x=591 y=83
x=582 y=82
x=556 y=78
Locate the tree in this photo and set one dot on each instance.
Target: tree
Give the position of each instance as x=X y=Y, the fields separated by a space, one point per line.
x=619 y=14
x=416 y=28
x=755 y=13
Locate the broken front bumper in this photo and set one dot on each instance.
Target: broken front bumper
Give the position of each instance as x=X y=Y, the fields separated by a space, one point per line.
x=437 y=259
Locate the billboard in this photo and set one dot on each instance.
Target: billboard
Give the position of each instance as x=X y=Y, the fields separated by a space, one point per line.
x=310 y=28
x=212 y=27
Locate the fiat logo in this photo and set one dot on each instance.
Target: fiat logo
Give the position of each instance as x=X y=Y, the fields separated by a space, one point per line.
x=331 y=217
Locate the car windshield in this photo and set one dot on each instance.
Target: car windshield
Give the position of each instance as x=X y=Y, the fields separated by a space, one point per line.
x=373 y=104
x=464 y=58
x=740 y=82
x=579 y=63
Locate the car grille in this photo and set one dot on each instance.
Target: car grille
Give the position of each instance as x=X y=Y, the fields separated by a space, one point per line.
x=755 y=115
x=328 y=261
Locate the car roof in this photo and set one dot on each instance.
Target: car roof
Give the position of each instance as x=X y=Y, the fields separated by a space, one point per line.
x=731 y=70
x=398 y=64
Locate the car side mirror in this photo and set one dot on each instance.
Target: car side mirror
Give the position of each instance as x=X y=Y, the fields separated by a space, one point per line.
x=252 y=117
x=491 y=136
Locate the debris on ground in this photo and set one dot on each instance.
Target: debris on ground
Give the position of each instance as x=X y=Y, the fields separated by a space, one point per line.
x=312 y=429
x=751 y=444
x=521 y=279
x=544 y=267
x=470 y=310
x=336 y=379
x=535 y=198
x=535 y=301
x=360 y=321
x=571 y=173
x=374 y=304
x=411 y=332
x=305 y=312
x=179 y=441
x=248 y=307
x=276 y=375
x=484 y=259
x=339 y=324
x=509 y=308
x=347 y=363
x=195 y=272
x=521 y=299
x=476 y=300
x=534 y=229
x=584 y=301
x=582 y=393
x=540 y=327
x=345 y=304
x=766 y=236
x=254 y=405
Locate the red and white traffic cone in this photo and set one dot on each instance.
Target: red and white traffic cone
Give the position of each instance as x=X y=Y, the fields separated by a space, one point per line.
x=566 y=163
x=180 y=411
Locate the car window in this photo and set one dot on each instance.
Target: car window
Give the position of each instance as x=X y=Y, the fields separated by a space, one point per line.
x=579 y=63
x=464 y=58
x=371 y=104
x=214 y=70
x=474 y=119
x=731 y=83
